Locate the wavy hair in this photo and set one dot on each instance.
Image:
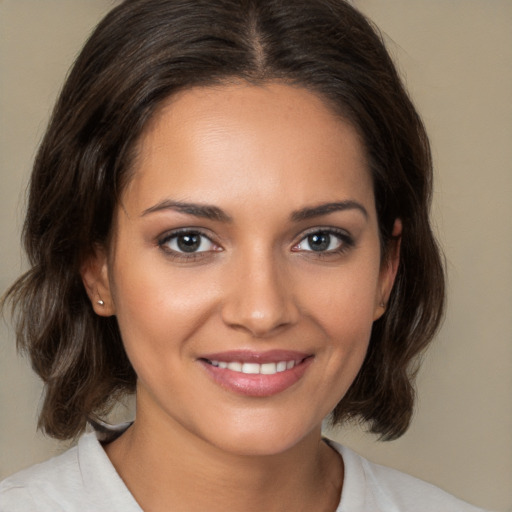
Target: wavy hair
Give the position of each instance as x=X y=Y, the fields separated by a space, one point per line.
x=143 y=52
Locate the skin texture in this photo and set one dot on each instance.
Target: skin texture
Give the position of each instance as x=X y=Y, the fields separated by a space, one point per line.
x=260 y=154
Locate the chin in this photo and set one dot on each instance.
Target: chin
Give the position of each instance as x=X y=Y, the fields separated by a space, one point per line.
x=260 y=435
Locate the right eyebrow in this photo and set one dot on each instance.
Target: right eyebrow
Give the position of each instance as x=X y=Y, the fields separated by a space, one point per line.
x=326 y=208
x=205 y=211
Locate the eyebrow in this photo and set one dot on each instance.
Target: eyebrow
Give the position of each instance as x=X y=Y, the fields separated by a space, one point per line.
x=215 y=213
x=326 y=208
x=205 y=211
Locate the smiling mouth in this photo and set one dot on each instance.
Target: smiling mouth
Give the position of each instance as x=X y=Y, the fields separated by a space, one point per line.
x=256 y=374
x=255 y=368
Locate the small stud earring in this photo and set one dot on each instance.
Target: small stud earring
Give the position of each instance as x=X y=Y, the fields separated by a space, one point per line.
x=100 y=302
x=382 y=304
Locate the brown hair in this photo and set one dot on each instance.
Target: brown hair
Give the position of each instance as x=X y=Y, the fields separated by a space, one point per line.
x=140 y=54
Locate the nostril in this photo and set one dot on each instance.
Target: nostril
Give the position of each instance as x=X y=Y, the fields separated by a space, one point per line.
x=259 y=323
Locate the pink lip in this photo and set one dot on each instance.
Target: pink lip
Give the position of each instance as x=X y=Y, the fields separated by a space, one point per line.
x=257 y=385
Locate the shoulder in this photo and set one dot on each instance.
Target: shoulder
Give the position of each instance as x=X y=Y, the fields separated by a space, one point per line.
x=40 y=487
x=369 y=486
x=82 y=479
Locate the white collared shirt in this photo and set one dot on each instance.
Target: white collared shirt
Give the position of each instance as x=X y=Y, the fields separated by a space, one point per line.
x=84 y=480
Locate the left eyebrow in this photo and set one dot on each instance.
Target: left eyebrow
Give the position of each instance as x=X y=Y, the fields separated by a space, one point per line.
x=326 y=208
x=196 y=209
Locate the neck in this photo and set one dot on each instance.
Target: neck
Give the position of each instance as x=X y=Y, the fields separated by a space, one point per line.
x=166 y=466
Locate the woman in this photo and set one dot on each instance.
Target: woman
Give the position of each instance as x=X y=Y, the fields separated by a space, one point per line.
x=229 y=216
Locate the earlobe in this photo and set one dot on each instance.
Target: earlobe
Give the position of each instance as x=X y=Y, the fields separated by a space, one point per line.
x=95 y=276
x=389 y=270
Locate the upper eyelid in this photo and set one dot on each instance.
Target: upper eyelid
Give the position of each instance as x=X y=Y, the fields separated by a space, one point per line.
x=324 y=229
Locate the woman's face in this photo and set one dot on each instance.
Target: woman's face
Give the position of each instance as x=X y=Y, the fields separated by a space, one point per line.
x=245 y=269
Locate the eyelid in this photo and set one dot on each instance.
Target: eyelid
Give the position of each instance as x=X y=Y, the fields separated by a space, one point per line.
x=163 y=240
x=347 y=240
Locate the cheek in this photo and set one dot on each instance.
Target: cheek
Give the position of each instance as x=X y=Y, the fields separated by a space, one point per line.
x=344 y=300
x=348 y=325
x=159 y=308
x=344 y=308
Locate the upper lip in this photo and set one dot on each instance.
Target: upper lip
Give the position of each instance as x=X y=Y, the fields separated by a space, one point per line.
x=250 y=356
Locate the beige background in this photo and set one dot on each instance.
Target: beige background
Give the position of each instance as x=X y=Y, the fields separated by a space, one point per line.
x=456 y=56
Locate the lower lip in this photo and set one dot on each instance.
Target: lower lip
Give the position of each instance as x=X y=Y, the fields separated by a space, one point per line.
x=257 y=385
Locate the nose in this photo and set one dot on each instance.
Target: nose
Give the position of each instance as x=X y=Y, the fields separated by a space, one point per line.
x=260 y=299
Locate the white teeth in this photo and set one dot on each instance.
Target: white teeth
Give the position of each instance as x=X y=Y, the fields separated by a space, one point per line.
x=255 y=368
x=268 y=368
x=250 y=368
x=281 y=366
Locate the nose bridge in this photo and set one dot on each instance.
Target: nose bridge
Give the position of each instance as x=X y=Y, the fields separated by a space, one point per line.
x=260 y=299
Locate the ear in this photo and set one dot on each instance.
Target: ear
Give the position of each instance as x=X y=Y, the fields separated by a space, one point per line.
x=388 y=270
x=95 y=276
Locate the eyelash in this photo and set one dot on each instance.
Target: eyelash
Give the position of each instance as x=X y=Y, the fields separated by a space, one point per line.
x=345 y=243
x=166 y=239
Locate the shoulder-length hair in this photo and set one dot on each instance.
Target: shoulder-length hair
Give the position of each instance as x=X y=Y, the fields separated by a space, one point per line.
x=140 y=54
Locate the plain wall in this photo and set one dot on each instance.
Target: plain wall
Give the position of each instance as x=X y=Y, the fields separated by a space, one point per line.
x=456 y=57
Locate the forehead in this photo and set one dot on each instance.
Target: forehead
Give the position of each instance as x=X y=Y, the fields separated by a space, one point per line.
x=257 y=140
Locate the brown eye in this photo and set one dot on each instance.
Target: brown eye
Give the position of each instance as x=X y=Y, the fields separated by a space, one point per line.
x=323 y=241
x=187 y=242
x=319 y=241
